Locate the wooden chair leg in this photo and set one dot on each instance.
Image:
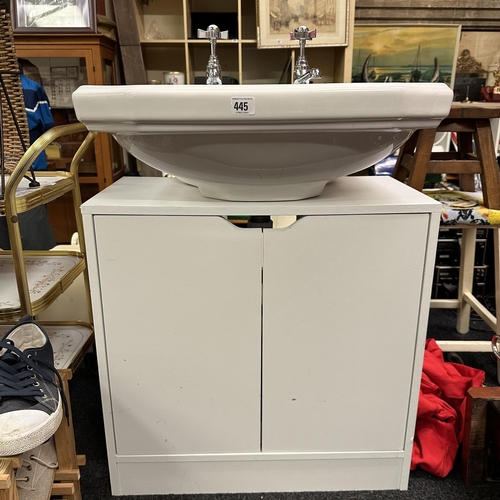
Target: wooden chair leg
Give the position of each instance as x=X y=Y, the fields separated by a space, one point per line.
x=423 y=152
x=465 y=142
x=466 y=277
x=8 y=489
x=466 y=182
x=465 y=148
x=400 y=171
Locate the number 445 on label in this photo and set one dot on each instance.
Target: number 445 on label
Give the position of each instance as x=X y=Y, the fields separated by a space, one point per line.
x=242 y=105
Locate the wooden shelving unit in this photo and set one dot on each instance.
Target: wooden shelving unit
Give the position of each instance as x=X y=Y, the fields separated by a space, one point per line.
x=166 y=31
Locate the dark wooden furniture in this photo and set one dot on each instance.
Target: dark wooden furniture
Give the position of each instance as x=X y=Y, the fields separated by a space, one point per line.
x=474 y=441
x=470 y=122
x=476 y=155
x=65 y=62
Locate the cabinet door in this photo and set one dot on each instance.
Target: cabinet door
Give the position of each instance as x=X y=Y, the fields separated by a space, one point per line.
x=341 y=298
x=181 y=298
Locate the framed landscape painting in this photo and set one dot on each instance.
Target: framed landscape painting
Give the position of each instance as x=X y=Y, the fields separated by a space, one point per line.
x=401 y=53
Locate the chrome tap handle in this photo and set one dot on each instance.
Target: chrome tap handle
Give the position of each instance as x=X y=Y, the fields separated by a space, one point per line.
x=301 y=72
x=213 y=33
x=312 y=74
x=302 y=33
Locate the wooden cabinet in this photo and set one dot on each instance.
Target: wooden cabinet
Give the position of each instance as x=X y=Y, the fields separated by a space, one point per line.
x=61 y=63
x=167 y=32
x=251 y=360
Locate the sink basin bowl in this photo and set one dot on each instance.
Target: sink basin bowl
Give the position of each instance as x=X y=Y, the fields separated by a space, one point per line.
x=262 y=142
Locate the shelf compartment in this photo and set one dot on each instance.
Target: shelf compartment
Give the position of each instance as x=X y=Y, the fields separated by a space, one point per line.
x=159 y=59
x=225 y=21
x=49 y=274
x=248 y=20
x=268 y=69
x=227 y=55
x=160 y=20
x=327 y=60
x=201 y=13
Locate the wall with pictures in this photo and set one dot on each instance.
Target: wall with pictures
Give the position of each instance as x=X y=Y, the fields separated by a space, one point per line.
x=479 y=46
x=470 y=14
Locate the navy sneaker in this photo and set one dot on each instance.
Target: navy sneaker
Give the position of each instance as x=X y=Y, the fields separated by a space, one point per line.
x=31 y=403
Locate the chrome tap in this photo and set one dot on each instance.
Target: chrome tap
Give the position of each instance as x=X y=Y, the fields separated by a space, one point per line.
x=213 y=67
x=302 y=73
x=312 y=74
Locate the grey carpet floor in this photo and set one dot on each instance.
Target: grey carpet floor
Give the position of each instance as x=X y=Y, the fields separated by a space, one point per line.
x=89 y=430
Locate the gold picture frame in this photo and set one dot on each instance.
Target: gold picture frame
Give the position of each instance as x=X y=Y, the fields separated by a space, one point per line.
x=53 y=16
x=277 y=18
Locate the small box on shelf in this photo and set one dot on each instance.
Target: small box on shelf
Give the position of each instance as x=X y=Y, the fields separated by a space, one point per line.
x=226 y=21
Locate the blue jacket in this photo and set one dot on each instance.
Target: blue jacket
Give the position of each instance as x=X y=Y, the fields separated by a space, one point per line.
x=39 y=115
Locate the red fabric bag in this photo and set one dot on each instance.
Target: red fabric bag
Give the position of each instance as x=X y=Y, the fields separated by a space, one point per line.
x=441 y=411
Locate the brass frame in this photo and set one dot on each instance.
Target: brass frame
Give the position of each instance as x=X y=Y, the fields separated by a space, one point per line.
x=12 y=205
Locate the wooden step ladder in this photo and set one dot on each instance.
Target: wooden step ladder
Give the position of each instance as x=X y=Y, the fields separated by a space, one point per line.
x=67 y=476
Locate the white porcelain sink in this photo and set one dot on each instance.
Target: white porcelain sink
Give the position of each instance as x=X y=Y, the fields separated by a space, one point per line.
x=262 y=142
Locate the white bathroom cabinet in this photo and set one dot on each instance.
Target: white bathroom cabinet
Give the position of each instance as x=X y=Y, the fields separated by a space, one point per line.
x=250 y=360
